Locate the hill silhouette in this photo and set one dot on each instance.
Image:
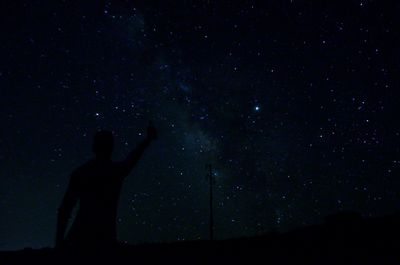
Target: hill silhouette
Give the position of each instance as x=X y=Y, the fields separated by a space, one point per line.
x=344 y=238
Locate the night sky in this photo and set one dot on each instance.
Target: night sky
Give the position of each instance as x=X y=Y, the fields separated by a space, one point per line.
x=293 y=103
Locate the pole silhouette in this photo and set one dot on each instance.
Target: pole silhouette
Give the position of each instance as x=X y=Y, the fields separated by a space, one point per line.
x=210 y=173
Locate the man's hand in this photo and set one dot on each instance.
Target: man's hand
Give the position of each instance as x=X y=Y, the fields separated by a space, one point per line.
x=151 y=132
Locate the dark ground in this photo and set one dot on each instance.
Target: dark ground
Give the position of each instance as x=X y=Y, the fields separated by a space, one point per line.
x=345 y=238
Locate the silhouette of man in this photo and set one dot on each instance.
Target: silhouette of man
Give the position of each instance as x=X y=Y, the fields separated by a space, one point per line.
x=96 y=185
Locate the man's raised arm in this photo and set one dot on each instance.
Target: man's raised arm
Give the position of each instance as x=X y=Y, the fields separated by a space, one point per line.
x=136 y=153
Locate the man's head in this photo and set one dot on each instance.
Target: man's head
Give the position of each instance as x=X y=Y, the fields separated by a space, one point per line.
x=103 y=144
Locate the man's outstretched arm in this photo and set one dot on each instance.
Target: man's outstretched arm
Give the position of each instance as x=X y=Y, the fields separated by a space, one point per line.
x=65 y=209
x=136 y=153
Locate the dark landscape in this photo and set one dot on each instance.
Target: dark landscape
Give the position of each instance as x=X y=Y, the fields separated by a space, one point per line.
x=344 y=238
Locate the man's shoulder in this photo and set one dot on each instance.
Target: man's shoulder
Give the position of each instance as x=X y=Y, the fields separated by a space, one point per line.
x=82 y=169
x=94 y=165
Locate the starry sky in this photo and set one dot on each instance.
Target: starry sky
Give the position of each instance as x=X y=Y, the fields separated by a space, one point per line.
x=292 y=102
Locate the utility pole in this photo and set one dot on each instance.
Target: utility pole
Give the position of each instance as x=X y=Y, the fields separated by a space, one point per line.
x=211 y=180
